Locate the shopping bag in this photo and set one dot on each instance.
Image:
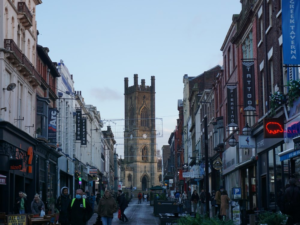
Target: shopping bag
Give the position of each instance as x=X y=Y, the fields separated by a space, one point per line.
x=42 y=214
x=119 y=214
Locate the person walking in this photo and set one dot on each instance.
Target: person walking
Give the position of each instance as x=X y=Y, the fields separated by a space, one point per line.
x=140 y=198
x=37 y=205
x=62 y=204
x=106 y=208
x=184 y=196
x=79 y=211
x=123 y=205
x=218 y=201
x=224 y=204
x=194 y=200
x=92 y=200
x=203 y=202
x=180 y=204
x=292 y=203
x=145 y=197
x=21 y=206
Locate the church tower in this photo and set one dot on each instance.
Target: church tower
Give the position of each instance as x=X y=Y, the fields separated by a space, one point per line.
x=140 y=135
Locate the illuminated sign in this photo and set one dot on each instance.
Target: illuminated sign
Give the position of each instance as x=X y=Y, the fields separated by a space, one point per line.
x=16 y=164
x=293 y=129
x=273 y=128
x=17 y=219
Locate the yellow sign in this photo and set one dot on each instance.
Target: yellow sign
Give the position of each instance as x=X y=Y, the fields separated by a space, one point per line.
x=16 y=220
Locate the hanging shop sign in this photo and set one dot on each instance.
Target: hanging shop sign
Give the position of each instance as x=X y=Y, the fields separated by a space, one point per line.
x=186 y=174
x=273 y=128
x=78 y=124
x=16 y=164
x=229 y=160
x=93 y=171
x=52 y=121
x=17 y=219
x=217 y=164
x=83 y=131
x=246 y=141
x=248 y=85
x=291 y=32
x=237 y=193
x=232 y=105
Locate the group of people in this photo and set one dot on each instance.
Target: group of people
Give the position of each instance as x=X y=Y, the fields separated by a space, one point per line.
x=143 y=196
x=219 y=201
x=36 y=207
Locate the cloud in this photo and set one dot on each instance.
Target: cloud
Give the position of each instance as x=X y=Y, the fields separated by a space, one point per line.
x=105 y=94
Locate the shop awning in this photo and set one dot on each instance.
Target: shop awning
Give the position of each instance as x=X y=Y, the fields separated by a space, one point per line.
x=288 y=154
x=2 y=180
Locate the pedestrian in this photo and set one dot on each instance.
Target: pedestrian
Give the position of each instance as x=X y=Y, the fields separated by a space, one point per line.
x=214 y=203
x=292 y=203
x=224 y=204
x=145 y=197
x=21 y=206
x=92 y=200
x=123 y=204
x=62 y=204
x=184 y=196
x=203 y=202
x=106 y=208
x=140 y=198
x=37 y=205
x=79 y=210
x=194 y=200
x=218 y=201
x=180 y=204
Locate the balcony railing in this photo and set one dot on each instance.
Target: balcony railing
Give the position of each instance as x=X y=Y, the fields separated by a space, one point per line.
x=24 y=15
x=11 y=46
x=17 y=58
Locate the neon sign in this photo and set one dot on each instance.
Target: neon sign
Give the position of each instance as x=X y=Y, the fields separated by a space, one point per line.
x=273 y=128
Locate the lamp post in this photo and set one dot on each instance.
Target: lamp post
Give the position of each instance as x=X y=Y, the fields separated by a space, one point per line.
x=206 y=164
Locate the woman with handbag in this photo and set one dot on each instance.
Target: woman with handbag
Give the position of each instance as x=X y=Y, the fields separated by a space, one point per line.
x=224 y=204
x=194 y=200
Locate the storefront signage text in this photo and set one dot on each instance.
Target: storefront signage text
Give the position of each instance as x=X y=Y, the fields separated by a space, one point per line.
x=290 y=32
x=273 y=128
x=232 y=105
x=52 y=125
x=217 y=164
x=78 y=124
x=83 y=131
x=15 y=164
x=249 y=85
x=16 y=219
x=293 y=130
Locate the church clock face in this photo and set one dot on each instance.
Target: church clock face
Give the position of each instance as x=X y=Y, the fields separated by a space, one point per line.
x=144 y=136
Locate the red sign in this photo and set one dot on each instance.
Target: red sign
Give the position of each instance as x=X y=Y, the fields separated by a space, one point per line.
x=15 y=164
x=273 y=128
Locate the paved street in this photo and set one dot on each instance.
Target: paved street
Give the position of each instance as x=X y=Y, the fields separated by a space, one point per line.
x=136 y=213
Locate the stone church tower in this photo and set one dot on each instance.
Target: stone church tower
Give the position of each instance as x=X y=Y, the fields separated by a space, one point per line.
x=140 y=159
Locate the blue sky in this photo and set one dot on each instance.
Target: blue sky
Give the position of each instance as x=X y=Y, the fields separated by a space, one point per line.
x=103 y=41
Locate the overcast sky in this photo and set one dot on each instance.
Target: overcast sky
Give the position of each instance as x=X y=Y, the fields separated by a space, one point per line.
x=103 y=41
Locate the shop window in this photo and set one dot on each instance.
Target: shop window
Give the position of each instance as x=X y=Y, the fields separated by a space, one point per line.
x=42 y=117
x=271 y=179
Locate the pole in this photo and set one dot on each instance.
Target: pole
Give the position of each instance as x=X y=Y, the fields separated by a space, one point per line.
x=206 y=165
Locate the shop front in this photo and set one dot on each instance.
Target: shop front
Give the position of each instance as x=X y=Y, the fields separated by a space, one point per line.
x=46 y=164
x=17 y=155
x=272 y=173
x=65 y=174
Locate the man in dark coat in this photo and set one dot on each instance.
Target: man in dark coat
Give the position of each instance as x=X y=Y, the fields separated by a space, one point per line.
x=62 y=204
x=79 y=210
x=123 y=205
x=292 y=202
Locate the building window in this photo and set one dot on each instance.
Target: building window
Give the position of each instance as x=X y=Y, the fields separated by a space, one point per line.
x=263 y=92
x=247 y=47
x=42 y=117
x=129 y=178
x=144 y=118
x=261 y=29
x=272 y=76
x=270 y=13
x=145 y=154
x=229 y=62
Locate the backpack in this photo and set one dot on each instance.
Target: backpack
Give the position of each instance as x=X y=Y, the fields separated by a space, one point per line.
x=83 y=202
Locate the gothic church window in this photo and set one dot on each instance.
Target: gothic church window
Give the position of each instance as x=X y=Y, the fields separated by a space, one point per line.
x=129 y=177
x=144 y=118
x=144 y=154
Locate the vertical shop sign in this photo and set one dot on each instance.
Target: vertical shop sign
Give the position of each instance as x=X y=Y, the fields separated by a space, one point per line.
x=83 y=131
x=52 y=121
x=232 y=105
x=291 y=32
x=249 y=85
x=78 y=124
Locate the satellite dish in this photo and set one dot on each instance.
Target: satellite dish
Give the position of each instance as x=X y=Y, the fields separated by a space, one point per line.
x=10 y=87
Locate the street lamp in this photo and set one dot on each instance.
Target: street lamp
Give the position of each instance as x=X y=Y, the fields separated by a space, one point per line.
x=246 y=130
x=232 y=142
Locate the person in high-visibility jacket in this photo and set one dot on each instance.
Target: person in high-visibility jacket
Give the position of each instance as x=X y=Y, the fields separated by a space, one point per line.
x=80 y=210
